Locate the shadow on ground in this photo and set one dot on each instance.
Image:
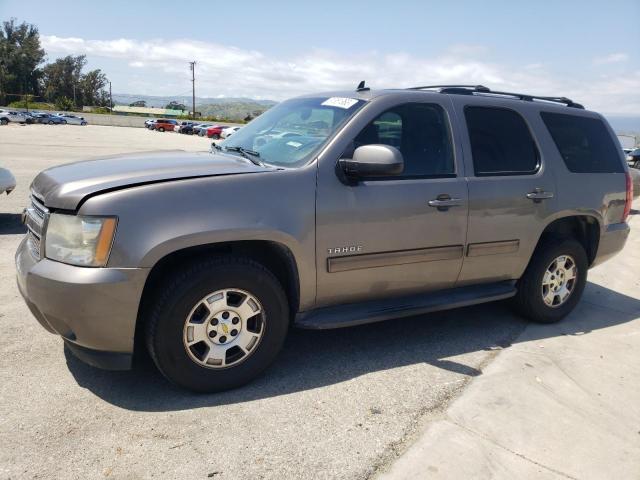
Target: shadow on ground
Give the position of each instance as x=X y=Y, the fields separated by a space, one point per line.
x=11 y=224
x=313 y=359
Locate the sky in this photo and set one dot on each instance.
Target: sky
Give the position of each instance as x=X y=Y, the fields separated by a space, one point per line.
x=586 y=50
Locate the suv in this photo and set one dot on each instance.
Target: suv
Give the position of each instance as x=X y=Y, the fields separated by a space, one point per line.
x=381 y=204
x=163 y=124
x=7 y=116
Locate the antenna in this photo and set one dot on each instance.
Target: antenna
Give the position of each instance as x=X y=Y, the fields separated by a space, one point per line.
x=361 y=87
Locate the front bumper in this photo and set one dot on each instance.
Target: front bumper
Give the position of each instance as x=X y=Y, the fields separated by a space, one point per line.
x=93 y=309
x=612 y=241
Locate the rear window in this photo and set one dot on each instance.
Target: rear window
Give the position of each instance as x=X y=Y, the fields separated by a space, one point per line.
x=501 y=143
x=584 y=143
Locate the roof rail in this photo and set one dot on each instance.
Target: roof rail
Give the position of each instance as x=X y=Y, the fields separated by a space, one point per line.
x=482 y=90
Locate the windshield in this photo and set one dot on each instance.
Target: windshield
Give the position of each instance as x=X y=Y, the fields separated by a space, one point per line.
x=289 y=134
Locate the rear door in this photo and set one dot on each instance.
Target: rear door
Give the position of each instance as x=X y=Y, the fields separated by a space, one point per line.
x=512 y=190
x=388 y=237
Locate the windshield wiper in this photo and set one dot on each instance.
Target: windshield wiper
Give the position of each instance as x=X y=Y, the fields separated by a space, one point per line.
x=250 y=155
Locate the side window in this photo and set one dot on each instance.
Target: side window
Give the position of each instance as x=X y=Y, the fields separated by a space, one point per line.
x=501 y=143
x=584 y=143
x=421 y=132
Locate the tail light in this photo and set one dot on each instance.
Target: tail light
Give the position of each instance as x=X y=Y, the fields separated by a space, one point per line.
x=629 y=198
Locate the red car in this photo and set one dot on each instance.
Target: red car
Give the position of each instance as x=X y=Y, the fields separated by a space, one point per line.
x=214 y=132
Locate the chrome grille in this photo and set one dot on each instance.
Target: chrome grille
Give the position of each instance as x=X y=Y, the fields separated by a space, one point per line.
x=35 y=219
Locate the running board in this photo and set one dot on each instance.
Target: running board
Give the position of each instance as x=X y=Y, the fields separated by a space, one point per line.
x=376 y=311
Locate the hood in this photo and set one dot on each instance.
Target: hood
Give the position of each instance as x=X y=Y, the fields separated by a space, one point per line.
x=66 y=186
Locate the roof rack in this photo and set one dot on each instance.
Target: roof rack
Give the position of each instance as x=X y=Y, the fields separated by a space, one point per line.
x=482 y=90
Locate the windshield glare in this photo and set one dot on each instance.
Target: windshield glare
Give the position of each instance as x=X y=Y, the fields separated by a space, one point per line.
x=289 y=134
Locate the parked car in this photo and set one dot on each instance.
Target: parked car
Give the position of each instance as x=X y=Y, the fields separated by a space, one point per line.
x=7 y=116
x=7 y=181
x=164 y=124
x=214 y=131
x=634 y=158
x=148 y=123
x=49 y=119
x=201 y=129
x=404 y=202
x=185 y=127
x=635 y=178
x=227 y=132
x=73 y=119
x=30 y=118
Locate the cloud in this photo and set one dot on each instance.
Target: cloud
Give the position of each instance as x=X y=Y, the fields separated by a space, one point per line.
x=611 y=58
x=161 y=68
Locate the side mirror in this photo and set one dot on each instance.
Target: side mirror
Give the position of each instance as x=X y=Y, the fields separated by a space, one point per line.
x=373 y=161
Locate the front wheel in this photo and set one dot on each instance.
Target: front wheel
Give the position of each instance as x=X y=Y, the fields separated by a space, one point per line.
x=217 y=324
x=553 y=282
x=63 y=122
x=637 y=164
x=161 y=129
x=4 y=121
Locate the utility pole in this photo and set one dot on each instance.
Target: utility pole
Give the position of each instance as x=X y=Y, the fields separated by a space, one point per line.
x=74 y=96
x=110 y=100
x=193 y=88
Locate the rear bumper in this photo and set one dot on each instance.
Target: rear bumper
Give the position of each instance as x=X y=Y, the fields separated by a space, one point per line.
x=612 y=240
x=93 y=309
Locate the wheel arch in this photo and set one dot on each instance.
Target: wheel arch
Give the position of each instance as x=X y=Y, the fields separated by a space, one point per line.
x=584 y=228
x=275 y=256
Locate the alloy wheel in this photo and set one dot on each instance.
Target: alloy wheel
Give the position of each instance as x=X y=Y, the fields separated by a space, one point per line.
x=559 y=280
x=224 y=328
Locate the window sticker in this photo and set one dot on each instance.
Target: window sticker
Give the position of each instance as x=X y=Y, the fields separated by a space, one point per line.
x=340 y=102
x=294 y=144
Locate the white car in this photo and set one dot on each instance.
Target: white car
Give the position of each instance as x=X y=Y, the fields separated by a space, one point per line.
x=227 y=132
x=72 y=119
x=7 y=116
x=7 y=181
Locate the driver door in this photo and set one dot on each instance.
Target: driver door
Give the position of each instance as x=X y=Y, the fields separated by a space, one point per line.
x=386 y=237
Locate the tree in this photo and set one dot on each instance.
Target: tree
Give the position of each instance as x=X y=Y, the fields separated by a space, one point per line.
x=175 y=106
x=62 y=78
x=93 y=85
x=20 y=56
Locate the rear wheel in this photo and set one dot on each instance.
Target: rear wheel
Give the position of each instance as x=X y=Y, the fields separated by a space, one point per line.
x=217 y=324
x=161 y=129
x=637 y=164
x=553 y=282
x=64 y=122
x=3 y=121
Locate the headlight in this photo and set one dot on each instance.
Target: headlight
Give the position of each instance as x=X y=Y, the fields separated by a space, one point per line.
x=79 y=240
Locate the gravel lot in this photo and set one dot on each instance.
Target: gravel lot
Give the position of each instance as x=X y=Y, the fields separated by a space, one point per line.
x=337 y=404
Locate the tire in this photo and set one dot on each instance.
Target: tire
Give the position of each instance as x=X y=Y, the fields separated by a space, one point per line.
x=50 y=122
x=637 y=164
x=529 y=300
x=63 y=122
x=178 y=300
x=83 y=123
x=4 y=121
x=161 y=129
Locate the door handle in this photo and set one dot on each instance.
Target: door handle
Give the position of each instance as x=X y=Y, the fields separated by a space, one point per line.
x=442 y=202
x=538 y=195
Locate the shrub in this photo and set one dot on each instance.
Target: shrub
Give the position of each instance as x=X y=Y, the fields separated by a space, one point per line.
x=64 y=104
